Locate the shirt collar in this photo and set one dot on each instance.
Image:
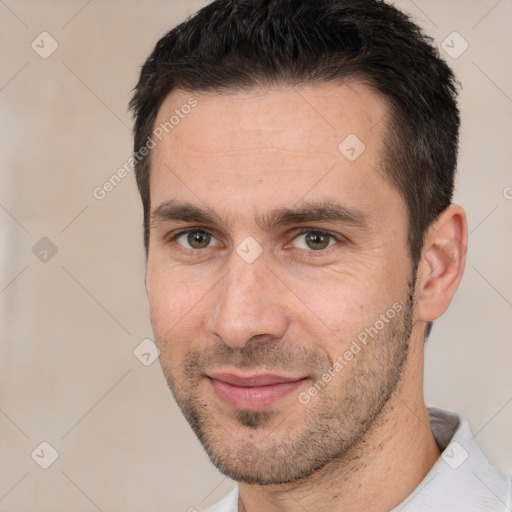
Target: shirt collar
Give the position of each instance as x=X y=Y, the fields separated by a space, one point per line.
x=462 y=479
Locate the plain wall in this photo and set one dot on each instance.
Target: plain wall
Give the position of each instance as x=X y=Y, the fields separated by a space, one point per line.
x=70 y=324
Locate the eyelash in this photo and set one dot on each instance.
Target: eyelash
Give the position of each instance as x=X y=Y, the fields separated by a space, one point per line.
x=337 y=238
x=332 y=237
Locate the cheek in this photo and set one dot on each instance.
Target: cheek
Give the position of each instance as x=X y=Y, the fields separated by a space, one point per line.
x=173 y=300
x=340 y=309
x=175 y=319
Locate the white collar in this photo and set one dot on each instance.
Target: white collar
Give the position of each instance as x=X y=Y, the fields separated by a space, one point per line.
x=462 y=480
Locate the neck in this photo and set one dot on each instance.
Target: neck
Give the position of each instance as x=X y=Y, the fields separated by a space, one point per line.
x=378 y=473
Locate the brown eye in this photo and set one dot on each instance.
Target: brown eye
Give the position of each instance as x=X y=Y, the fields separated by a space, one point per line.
x=195 y=239
x=314 y=240
x=199 y=239
x=317 y=241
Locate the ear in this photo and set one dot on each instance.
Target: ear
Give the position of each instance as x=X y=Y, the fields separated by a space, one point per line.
x=442 y=263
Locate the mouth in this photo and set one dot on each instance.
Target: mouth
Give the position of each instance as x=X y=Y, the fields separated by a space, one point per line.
x=255 y=391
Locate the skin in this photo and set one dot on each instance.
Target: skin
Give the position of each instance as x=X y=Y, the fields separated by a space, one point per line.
x=364 y=441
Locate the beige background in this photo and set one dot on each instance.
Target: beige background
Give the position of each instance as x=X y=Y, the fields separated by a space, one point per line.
x=68 y=374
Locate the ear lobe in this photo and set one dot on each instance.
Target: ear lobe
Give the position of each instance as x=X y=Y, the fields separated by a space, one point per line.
x=442 y=263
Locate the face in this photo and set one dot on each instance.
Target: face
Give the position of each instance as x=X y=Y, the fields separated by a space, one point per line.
x=278 y=274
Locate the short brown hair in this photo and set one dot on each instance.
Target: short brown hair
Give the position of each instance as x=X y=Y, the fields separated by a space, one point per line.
x=239 y=44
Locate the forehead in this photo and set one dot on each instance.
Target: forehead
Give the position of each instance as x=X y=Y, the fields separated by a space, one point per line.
x=291 y=114
x=286 y=139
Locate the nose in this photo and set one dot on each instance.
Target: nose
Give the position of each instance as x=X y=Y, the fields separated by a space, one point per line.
x=251 y=302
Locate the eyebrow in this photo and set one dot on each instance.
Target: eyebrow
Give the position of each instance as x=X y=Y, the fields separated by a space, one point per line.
x=313 y=212
x=308 y=211
x=173 y=210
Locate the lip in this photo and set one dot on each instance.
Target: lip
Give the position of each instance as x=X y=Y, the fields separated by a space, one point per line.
x=253 y=392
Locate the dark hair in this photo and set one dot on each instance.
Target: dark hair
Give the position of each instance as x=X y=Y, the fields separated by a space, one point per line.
x=232 y=45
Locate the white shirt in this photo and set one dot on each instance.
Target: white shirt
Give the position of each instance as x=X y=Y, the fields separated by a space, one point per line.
x=462 y=480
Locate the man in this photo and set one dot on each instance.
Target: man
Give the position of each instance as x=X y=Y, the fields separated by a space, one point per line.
x=296 y=163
